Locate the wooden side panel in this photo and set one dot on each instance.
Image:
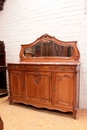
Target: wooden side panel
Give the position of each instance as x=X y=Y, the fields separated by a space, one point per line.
x=15 y=83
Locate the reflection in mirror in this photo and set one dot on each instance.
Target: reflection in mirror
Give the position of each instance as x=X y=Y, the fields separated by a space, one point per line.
x=49 y=48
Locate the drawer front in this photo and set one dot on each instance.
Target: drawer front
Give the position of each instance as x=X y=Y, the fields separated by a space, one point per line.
x=52 y=68
x=64 y=68
x=37 y=67
x=58 y=68
x=14 y=66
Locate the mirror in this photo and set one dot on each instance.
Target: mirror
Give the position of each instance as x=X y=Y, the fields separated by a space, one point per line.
x=48 y=49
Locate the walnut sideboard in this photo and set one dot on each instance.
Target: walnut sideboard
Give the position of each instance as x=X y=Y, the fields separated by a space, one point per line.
x=47 y=75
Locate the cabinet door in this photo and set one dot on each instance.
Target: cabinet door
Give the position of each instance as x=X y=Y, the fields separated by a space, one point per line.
x=63 y=89
x=15 y=82
x=38 y=86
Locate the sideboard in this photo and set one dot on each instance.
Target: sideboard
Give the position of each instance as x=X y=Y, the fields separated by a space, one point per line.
x=47 y=76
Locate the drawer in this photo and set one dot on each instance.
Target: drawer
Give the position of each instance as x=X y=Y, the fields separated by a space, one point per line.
x=58 y=68
x=64 y=68
x=52 y=68
x=37 y=67
x=14 y=66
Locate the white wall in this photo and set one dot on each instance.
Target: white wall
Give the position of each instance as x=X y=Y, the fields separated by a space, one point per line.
x=23 y=21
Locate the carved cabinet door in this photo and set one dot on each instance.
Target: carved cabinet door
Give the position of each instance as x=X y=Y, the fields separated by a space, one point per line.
x=63 y=90
x=38 y=87
x=16 y=83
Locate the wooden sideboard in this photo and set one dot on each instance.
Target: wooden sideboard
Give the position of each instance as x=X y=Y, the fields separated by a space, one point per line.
x=46 y=81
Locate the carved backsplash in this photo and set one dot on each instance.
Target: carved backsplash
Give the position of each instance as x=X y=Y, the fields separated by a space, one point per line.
x=47 y=47
x=1 y=4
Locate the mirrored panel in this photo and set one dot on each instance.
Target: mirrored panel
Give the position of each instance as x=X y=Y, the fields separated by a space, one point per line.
x=49 y=49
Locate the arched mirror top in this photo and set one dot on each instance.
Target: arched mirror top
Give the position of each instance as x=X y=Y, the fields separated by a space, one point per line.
x=48 y=48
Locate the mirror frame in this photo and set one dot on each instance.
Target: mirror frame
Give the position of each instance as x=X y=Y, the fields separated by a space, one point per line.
x=46 y=38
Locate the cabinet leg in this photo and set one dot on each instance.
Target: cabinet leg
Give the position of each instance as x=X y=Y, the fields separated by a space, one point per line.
x=10 y=101
x=74 y=113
